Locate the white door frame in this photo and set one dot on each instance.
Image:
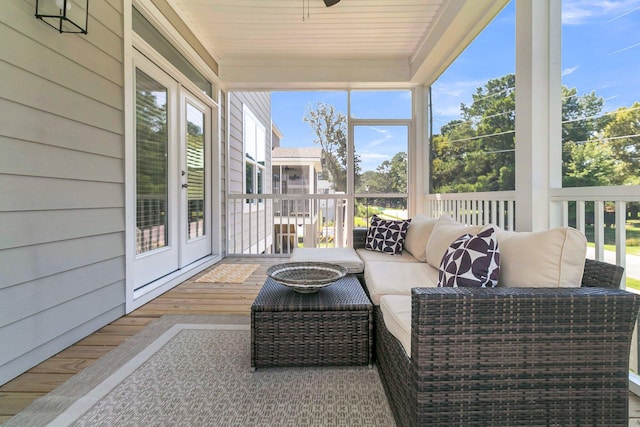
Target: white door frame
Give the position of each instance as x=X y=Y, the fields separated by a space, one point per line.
x=133 y=43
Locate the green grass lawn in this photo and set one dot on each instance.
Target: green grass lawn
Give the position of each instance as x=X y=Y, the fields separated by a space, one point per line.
x=633 y=237
x=633 y=283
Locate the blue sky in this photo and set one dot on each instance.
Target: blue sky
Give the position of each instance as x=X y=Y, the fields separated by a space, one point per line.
x=601 y=53
x=374 y=144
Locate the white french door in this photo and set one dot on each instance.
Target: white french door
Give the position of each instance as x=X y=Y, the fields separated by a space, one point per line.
x=172 y=173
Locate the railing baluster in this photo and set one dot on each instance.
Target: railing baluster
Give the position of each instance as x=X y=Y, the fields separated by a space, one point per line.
x=598 y=228
x=621 y=236
x=580 y=216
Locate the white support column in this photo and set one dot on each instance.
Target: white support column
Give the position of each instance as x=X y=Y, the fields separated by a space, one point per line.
x=538 y=113
x=418 y=161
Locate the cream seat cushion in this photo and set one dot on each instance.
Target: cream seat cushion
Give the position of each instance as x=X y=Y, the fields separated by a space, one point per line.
x=375 y=256
x=550 y=258
x=396 y=313
x=345 y=257
x=384 y=278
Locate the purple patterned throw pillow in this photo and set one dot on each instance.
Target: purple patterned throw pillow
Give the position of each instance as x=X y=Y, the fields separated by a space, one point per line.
x=371 y=231
x=386 y=236
x=471 y=261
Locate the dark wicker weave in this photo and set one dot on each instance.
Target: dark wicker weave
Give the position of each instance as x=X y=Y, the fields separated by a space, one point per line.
x=331 y=327
x=598 y=274
x=513 y=356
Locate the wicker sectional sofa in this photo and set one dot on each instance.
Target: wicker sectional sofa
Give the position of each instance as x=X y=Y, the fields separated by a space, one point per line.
x=554 y=354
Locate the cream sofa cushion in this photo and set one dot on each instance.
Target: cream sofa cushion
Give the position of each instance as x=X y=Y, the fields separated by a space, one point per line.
x=384 y=278
x=445 y=231
x=418 y=235
x=346 y=257
x=367 y=256
x=396 y=313
x=550 y=258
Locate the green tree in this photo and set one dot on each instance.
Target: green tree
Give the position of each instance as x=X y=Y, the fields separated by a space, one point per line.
x=622 y=133
x=477 y=151
x=330 y=130
x=591 y=163
x=580 y=115
x=398 y=173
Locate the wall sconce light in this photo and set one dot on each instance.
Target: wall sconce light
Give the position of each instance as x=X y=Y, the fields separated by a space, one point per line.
x=66 y=16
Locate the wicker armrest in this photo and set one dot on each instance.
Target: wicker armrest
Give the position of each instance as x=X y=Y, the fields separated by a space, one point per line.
x=359 y=237
x=601 y=274
x=518 y=355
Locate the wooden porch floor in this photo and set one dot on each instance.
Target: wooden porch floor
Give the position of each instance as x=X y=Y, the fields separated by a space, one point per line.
x=187 y=298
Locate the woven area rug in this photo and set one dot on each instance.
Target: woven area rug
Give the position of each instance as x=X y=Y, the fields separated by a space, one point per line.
x=195 y=370
x=229 y=273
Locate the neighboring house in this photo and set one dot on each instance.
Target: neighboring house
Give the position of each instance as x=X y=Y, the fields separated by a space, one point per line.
x=249 y=165
x=295 y=172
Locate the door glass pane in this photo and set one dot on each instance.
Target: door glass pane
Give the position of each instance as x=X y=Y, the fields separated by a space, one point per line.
x=151 y=164
x=195 y=172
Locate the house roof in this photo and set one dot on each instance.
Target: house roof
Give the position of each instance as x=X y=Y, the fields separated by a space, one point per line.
x=312 y=153
x=289 y=44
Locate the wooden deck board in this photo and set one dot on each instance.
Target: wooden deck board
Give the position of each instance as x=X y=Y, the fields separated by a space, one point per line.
x=189 y=297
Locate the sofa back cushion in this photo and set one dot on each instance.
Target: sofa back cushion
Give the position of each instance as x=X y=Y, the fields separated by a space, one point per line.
x=550 y=258
x=444 y=232
x=418 y=235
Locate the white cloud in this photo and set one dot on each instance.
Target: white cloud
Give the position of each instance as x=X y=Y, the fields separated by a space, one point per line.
x=569 y=70
x=447 y=96
x=386 y=135
x=368 y=156
x=625 y=49
x=580 y=12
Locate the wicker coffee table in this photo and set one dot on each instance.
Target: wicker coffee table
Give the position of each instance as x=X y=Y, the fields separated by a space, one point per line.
x=331 y=327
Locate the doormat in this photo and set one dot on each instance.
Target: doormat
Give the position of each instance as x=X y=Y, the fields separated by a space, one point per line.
x=229 y=273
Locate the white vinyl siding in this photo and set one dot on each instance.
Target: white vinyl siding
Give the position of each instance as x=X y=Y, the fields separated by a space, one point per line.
x=259 y=233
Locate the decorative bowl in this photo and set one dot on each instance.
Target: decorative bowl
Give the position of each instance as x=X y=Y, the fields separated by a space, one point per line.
x=306 y=277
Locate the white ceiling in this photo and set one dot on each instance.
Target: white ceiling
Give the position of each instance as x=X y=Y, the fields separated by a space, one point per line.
x=301 y=43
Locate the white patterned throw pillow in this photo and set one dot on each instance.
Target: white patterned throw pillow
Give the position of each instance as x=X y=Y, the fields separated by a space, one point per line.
x=386 y=236
x=471 y=261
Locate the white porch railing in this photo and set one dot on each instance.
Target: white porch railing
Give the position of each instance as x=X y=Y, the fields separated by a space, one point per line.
x=592 y=210
x=597 y=209
x=474 y=208
x=278 y=223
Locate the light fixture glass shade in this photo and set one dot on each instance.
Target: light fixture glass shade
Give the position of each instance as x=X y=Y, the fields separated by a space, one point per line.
x=66 y=16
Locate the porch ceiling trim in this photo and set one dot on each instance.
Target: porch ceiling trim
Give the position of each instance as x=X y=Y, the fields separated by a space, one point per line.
x=375 y=41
